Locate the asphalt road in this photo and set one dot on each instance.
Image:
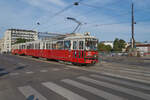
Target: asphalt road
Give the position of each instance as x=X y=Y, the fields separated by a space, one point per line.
x=137 y=61
x=22 y=78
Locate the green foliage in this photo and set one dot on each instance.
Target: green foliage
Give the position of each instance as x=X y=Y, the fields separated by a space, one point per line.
x=20 y=40
x=104 y=48
x=119 y=44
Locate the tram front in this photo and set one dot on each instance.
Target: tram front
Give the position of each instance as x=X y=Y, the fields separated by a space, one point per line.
x=91 y=52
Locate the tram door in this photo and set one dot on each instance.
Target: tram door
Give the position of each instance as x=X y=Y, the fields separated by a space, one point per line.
x=78 y=52
x=75 y=48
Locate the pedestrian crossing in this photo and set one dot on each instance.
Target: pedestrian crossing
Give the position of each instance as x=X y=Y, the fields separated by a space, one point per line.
x=118 y=88
x=93 y=81
x=64 y=92
x=28 y=91
x=123 y=82
x=92 y=90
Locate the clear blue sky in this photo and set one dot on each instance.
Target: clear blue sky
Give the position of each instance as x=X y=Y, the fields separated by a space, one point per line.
x=106 y=19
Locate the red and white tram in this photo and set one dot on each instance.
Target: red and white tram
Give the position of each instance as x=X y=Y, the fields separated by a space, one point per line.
x=75 y=48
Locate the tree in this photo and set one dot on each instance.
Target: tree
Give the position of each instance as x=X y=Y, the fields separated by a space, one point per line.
x=20 y=40
x=108 y=48
x=104 y=48
x=119 y=44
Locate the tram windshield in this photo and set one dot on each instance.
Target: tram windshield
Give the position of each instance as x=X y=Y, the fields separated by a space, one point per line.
x=91 y=44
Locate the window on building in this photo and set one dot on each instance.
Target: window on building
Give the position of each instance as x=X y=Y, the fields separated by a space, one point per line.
x=7 y=45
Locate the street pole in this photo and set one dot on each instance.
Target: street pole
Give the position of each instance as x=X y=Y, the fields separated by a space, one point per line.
x=133 y=41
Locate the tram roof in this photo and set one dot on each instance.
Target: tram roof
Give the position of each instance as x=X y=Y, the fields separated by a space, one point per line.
x=62 y=37
x=68 y=36
x=78 y=36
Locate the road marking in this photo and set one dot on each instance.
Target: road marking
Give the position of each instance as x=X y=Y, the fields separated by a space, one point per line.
x=30 y=72
x=136 y=73
x=28 y=91
x=66 y=68
x=122 y=82
x=124 y=77
x=43 y=71
x=55 y=69
x=139 y=71
x=115 y=87
x=21 y=64
x=92 y=90
x=96 y=71
x=13 y=74
x=63 y=92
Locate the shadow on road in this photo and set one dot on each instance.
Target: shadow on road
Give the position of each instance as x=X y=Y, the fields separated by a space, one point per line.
x=2 y=69
x=20 y=68
x=32 y=97
x=3 y=72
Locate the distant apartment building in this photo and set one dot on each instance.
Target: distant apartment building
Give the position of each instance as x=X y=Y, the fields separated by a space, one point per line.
x=108 y=43
x=1 y=45
x=11 y=36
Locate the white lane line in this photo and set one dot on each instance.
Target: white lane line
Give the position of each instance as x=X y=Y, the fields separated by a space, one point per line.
x=139 y=71
x=43 y=71
x=136 y=73
x=21 y=64
x=92 y=90
x=63 y=92
x=29 y=91
x=122 y=82
x=55 y=69
x=116 y=87
x=13 y=74
x=29 y=72
x=123 y=76
x=66 y=68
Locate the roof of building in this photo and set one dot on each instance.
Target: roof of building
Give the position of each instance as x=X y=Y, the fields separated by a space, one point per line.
x=21 y=30
x=143 y=45
x=107 y=41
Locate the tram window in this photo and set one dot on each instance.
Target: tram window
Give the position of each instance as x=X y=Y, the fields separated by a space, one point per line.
x=53 y=46
x=29 y=46
x=80 y=44
x=91 y=44
x=47 y=46
x=32 y=46
x=60 y=45
x=43 y=45
x=67 y=45
x=36 y=46
x=74 y=45
x=22 y=46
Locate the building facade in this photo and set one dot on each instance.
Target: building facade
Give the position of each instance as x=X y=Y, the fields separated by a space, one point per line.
x=11 y=36
x=1 y=45
x=111 y=43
